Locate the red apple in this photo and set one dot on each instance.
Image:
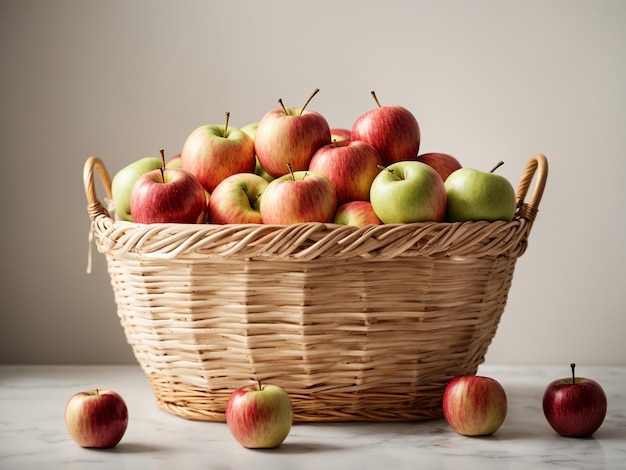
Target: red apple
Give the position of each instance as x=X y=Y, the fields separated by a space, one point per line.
x=339 y=134
x=299 y=196
x=407 y=192
x=351 y=166
x=443 y=163
x=259 y=415
x=289 y=135
x=574 y=406
x=237 y=200
x=214 y=152
x=96 y=418
x=474 y=405
x=357 y=213
x=168 y=195
x=392 y=130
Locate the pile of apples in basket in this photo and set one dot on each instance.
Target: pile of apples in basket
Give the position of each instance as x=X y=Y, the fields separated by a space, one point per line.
x=292 y=167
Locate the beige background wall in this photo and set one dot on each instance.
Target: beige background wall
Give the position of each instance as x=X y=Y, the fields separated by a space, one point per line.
x=487 y=79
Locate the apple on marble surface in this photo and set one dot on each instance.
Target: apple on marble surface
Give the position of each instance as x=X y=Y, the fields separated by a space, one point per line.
x=474 y=405
x=96 y=418
x=574 y=406
x=259 y=416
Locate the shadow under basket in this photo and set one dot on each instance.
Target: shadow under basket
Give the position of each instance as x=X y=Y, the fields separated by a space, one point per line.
x=356 y=324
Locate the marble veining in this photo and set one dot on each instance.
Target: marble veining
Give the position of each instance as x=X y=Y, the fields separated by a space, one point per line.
x=33 y=434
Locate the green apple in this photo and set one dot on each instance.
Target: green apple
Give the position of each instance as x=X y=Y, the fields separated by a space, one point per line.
x=250 y=129
x=408 y=191
x=123 y=182
x=478 y=195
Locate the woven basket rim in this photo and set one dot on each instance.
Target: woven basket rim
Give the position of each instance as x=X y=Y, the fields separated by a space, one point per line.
x=309 y=241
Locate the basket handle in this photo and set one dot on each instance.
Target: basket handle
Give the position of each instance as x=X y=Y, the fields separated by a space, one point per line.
x=94 y=206
x=536 y=166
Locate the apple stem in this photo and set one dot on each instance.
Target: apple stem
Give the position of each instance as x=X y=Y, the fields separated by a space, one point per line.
x=573 y=366
x=259 y=383
x=309 y=100
x=498 y=165
x=163 y=164
x=382 y=167
x=226 y=125
x=280 y=100
x=291 y=171
x=373 y=93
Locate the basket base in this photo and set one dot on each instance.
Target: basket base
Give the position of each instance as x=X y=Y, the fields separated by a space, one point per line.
x=370 y=405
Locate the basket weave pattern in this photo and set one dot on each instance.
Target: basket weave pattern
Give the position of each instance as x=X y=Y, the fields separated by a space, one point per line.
x=356 y=324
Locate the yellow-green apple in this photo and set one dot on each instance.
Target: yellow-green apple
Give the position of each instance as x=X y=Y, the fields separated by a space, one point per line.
x=357 y=213
x=408 y=191
x=474 y=405
x=168 y=195
x=213 y=152
x=123 y=182
x=289 y=135
x=351 y=165
x=237 y=200
x=443 y=163
x=96 y=418
x=392 y=130
x=298 y=196
x=574 y=406
x=174 y=162
x=259 y=416
x=478 y=195
x=250 y=129
x=338 y=134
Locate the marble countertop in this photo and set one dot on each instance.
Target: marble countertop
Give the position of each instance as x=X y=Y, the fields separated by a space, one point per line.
x=33 y=434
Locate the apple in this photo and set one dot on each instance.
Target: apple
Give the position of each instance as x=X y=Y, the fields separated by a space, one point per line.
x=474 y=405
x=574 y=406
x=297 y=197
x=351 y=165
x=236 y=200
x=338 y=134
x=213 y=152
x=406 y=192
x=174 y=162
x=168 y=195
x=289 y=135
x=392 y=130
x=357 y=213
x=123 y=182
x=478 y=195
x=96 y=418
x=259 y=416
x=443 y=163
x=250 y=129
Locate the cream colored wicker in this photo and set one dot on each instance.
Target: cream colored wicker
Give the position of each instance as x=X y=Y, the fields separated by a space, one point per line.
x=356 y=324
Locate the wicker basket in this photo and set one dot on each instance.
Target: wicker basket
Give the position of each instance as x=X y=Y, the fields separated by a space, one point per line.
x=356 y=324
